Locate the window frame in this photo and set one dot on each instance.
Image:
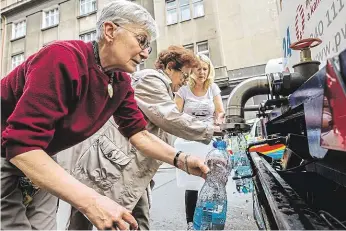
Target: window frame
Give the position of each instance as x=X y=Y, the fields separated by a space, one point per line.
x=168 y=9
x=17 y=62
x=197 y=2
x=180 y=10
x=188 y=46
x=14 y=28
x=85 y=3
x=88 y=33
x=205 y=52
x=56 y=17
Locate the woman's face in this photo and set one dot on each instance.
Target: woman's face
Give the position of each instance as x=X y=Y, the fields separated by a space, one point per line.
x=201 y=73
x=178 y=77
x=123 y=46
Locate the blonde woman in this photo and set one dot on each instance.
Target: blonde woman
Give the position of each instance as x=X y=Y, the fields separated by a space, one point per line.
x=200 y=98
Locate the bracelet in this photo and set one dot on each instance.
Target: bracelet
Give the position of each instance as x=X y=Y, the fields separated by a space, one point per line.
x=186 y=166
x=175 y=161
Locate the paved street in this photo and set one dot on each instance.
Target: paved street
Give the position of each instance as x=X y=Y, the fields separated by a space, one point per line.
x=168 y=210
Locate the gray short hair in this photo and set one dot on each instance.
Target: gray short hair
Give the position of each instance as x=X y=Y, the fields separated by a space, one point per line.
x=124 y=12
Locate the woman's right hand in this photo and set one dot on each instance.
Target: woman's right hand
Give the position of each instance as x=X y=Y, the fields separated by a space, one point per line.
x=217 y=131
x=106 y=214
x=220 y=118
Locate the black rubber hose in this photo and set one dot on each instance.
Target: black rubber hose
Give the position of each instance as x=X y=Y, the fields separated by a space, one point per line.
x=323 y=213
x=298 y=167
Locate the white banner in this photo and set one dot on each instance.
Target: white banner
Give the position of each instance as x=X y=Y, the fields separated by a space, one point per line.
x=324 y=19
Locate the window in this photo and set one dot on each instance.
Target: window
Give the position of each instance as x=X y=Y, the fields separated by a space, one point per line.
x=198 y=8
x=185 y=13
x=190 y=47
x=50 y=18
x=87 y=37
x=87 y=6
x=171 y=12
x=184 y=10
x=17 y=59
x=19 y=29
x=203 y=48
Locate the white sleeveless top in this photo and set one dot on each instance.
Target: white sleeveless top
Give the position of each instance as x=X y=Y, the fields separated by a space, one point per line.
x=202 y=107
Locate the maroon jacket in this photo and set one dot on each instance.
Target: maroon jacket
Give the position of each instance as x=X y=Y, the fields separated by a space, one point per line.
x=58 y=97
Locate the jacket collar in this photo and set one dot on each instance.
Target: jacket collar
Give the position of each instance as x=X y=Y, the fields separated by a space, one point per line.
x=165 y=77
x=138 y=76
x=158 y=73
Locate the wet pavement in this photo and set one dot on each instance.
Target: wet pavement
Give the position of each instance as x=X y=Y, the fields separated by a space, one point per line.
x=168 y=209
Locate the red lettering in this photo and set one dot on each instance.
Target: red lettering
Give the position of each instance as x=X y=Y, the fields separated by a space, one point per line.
x=313 y=8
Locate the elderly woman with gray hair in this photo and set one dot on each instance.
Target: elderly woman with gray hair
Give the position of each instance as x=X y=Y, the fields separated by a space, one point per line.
x=60 y=96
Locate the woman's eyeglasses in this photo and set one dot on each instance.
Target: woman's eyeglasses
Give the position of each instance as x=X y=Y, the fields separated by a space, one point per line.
x=185 y=75
x=142 y=40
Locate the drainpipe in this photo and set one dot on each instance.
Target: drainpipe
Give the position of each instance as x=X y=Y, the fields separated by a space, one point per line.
x=242 y=93
x=252 y=108
x=220 y=38
x=239 y=96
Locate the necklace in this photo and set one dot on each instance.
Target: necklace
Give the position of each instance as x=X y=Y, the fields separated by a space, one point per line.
x=98 y=62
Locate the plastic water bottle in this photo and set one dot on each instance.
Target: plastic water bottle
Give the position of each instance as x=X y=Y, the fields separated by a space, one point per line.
x=244 y=186
x=211 y=207
x=242 y=167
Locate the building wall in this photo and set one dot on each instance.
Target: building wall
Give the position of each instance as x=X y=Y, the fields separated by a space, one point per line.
x=242 y=35
x=249 y=31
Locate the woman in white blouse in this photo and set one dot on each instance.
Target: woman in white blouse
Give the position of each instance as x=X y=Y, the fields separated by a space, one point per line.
x=200 y=98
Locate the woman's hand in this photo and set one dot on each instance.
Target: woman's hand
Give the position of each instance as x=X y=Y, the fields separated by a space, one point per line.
x=192 y=165
x=220 y=118
x=106 y=214
x=218 y=131
x=152 y=146
x=103 y=212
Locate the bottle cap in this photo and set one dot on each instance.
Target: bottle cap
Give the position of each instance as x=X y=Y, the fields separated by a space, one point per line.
x=220 y=144
x=244 y=189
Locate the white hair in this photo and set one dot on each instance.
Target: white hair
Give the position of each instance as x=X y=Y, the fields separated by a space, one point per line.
x=124 y=12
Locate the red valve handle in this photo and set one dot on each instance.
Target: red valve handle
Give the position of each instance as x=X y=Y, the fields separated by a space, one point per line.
x=306 y=43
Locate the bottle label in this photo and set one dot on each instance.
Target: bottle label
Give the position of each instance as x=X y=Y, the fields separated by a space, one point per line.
x=197 y=218
x=210 y=217
x=219 y=218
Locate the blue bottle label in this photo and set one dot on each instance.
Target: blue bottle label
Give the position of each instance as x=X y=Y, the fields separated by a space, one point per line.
x=210 y=216
x=219 y=217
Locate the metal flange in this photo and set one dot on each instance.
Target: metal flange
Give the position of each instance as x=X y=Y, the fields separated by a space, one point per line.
x=235 y=127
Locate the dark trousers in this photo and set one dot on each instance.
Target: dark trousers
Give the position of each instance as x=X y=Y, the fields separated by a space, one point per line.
x=40 y=214
x=190 y=204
